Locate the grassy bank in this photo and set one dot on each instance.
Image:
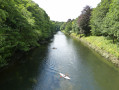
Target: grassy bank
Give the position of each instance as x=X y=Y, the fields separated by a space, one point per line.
x=103 y=46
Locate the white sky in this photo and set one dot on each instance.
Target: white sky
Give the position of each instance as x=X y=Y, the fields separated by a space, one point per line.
x=62 y=10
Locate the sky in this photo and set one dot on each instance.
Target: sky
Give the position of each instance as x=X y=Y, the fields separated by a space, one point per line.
x=62 y=10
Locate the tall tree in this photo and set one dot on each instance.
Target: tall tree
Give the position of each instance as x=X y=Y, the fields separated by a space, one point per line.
x=75 y=26
x=110 y=26
x=84 y=19
x=68 y=26
x=98 y=15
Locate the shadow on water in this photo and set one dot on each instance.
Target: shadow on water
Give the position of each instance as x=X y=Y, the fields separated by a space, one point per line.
x=23 y=75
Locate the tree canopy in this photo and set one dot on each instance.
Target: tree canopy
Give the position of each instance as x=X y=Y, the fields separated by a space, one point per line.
x=80 y=25
x=23 y=25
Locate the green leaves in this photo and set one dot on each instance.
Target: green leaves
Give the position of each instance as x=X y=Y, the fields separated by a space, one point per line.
x=75 y=26
x=68 y=27
x=22 y=25
x=97 y=16
x=105 y=19
x=3 y=15
x=111 y=20
x=79 y=25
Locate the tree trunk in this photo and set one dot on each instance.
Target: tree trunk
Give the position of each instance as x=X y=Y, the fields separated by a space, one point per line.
x=113 y=38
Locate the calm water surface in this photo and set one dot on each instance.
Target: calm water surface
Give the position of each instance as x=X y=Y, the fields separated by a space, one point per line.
x=39 y=70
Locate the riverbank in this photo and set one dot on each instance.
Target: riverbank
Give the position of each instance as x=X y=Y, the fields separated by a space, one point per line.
x=102 y=45
x=18 y=55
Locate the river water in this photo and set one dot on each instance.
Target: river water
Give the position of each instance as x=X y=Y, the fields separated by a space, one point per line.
x=39 y=70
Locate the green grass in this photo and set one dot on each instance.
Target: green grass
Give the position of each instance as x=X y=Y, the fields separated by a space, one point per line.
x=101 y=42
x=77 y=35
x=104 y=44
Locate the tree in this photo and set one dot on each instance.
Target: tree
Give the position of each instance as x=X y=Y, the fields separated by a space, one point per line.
x=68 y=26
x=97 y=16
x=23 y=24
x=75 y=27
x=110 y=26
x=83 y=20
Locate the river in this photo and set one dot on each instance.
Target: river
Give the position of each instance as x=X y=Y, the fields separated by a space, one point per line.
x=39 y=70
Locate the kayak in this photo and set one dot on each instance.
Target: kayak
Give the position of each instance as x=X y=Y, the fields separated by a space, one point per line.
x=64 y=76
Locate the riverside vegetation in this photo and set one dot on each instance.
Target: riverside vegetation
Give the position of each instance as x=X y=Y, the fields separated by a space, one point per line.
x=23 y=26
x=98 y=27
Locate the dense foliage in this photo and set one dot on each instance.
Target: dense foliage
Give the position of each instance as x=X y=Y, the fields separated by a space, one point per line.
x=79 y=25
x=110 y=26
x=98 y=15
x=105 y=19
x=23 y=25
x=83 y=20
x=100 y=21
x=75 y=26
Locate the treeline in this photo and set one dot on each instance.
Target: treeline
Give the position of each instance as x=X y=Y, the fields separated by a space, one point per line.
x=23 y=25
x=80 y=25
x=57 y=25
x=100 y=21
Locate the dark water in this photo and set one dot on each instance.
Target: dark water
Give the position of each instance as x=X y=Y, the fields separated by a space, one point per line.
x=39 y=70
